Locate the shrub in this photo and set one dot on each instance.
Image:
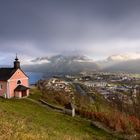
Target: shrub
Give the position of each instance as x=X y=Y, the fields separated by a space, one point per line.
x=115 y=121
x=135 y=123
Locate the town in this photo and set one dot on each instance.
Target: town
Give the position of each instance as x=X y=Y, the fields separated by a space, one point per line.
x=118 y=89
x=107 y=84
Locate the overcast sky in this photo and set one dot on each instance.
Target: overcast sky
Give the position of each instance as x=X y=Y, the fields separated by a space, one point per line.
x=96 y=28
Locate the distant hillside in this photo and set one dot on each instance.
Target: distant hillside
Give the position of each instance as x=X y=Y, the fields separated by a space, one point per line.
x=132 y=66
x=61 y=64
x=128 y=62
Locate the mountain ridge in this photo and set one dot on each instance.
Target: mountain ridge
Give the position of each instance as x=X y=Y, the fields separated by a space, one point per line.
x=60 y=64
x=73 y=64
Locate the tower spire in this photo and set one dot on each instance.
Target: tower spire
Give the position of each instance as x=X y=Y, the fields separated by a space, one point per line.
x=16 y=57
x=16 y=63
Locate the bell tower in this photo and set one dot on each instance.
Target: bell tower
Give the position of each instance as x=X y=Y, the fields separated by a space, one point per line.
x=16 y=63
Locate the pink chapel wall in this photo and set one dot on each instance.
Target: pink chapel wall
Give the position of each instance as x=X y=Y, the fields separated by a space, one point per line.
x=12 y=82
x=3 y=90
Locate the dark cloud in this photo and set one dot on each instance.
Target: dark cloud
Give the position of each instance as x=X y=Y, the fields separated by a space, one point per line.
x=42 y=27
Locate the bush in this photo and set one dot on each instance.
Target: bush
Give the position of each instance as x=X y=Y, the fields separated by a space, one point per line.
x=116 y=121
x=135 y=123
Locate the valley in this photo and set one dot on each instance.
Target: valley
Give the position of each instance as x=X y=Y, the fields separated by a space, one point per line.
x=109 y=98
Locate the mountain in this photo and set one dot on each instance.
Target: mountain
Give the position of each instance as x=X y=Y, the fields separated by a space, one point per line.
x=129 y=62
x=131 y=66
x=124 y=57
x=40 y=60
x=61 y=64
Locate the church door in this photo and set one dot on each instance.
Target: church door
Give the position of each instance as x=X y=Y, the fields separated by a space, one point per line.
x=24 y=93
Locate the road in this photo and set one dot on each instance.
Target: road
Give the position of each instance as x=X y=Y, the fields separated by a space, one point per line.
x=79 y=89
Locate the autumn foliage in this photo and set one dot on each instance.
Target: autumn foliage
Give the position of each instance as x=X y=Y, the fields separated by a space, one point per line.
x=116 y=121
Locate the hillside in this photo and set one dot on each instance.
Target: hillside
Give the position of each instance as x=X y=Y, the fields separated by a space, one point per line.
x=23 y=119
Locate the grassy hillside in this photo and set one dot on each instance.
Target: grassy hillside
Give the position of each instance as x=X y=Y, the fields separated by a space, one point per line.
x=23 y=119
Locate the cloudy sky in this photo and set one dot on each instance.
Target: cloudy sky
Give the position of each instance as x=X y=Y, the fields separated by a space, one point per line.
x=96 y=28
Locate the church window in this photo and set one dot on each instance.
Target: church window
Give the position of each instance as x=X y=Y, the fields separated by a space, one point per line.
x=18 y=82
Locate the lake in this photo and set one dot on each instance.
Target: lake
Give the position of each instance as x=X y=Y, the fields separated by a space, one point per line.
x=34 y=77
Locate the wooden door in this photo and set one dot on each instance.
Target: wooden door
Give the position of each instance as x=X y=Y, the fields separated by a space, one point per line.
x=24 y=93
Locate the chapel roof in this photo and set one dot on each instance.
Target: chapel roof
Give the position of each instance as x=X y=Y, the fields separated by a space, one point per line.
x=6 y=73
x=21 y=88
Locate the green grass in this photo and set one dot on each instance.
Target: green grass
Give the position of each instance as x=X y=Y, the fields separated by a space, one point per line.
x=35 y=93
x=21 y=119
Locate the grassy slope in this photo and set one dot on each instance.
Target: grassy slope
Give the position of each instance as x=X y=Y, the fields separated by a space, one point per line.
x=22 y=119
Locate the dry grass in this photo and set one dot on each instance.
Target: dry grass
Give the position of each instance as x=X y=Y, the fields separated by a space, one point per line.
x=24 y=120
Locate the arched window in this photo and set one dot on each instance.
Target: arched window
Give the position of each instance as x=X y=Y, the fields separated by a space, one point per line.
x=18 y=82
